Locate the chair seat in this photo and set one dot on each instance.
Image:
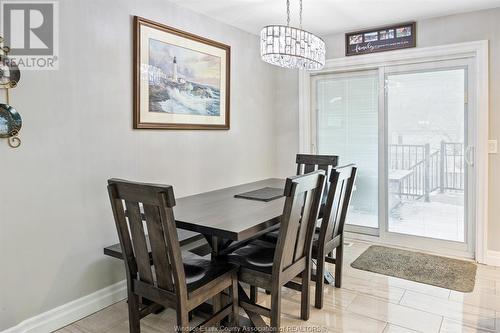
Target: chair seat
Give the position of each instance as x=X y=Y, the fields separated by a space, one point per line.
x=272 y=237
x=257 y=255
x=200 y=271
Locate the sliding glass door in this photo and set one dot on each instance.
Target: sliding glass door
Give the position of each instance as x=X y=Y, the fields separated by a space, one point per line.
x=426 y=118
x=409 y=130
x=429 y=156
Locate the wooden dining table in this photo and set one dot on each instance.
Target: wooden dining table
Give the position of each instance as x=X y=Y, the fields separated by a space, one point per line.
x=226 y=221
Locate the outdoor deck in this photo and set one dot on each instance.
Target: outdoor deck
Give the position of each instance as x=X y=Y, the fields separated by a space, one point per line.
x=426 y=192
x=441 y=217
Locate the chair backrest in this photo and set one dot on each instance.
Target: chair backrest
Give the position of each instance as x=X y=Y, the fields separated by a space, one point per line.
x=157 y=203
x=337 y=204
x=303 y=196
x=307 y=163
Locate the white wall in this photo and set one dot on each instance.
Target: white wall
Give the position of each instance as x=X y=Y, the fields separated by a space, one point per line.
x=473 y=26
x=286 y=126
x=55 y=214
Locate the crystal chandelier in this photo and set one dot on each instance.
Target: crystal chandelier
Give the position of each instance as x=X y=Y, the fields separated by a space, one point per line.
x=290 y=47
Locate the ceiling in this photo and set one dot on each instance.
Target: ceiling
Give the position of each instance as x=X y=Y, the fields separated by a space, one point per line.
x=330 y=16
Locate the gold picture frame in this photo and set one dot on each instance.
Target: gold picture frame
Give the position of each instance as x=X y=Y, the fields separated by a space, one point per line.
x=181 y=80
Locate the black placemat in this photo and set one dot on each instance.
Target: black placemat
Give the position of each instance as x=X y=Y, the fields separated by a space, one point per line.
x=263 y=194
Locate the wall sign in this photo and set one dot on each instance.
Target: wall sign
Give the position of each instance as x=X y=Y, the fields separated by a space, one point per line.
x=395 y=37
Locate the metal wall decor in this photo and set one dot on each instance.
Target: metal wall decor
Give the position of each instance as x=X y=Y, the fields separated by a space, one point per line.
x=10 y=119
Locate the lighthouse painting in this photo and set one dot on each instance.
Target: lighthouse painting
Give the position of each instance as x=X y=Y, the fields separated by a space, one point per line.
x=182 y=80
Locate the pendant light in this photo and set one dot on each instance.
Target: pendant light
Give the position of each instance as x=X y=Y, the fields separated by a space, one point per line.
x=290 y=47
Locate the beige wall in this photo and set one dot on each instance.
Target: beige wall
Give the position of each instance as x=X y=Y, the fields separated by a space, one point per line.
x=55 y=215
x=432 y=32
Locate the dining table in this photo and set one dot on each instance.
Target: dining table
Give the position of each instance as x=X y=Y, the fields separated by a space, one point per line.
x=226 y=221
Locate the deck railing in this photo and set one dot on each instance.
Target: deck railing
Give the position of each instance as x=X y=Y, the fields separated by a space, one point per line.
x=452 y=166
x=441 y=169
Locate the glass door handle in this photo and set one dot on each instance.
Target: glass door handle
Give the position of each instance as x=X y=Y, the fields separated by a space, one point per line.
x=313 y=148
x=469 y=155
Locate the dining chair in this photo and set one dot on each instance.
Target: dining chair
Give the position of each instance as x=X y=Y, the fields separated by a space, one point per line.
x=271 y=265
x=169 y=280
x=329 y=237
x=307 y=163
x=331 y=232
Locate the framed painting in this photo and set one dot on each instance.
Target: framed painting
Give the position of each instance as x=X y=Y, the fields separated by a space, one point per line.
x=181 y=81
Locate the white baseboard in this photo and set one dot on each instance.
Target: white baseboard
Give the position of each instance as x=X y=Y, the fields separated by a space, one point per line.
x=492 y=258
x=70 y=312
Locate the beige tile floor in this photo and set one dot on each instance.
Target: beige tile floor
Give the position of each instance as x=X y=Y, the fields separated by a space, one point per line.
x=367 y=302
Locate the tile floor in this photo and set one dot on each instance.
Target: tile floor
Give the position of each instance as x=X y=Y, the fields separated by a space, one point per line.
x=367 y=302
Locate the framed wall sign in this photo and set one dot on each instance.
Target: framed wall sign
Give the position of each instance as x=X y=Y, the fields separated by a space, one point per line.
x=395 y=37
x=181 y=81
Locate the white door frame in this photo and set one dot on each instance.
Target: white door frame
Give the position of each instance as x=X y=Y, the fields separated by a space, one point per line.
x=478 y=53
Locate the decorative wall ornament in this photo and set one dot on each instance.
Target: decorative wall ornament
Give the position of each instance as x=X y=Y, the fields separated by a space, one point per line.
x=10 y=119
x=394 y=37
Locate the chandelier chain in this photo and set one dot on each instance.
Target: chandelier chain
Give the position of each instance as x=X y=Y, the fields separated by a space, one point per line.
x=300 y=17
x=288 y=12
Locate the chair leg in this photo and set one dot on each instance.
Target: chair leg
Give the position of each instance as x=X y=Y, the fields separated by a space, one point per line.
x=133 y=313
x=253 y=294
x=339 y=258
x=236 y=308
x=320 y=271
x=275 y=309
x=217 y=305
x=304 y=299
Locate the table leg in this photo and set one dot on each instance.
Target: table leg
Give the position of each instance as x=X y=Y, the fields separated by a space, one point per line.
x=327 y=275
x=329 y=278
x=216 y=300
x=255 y=319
